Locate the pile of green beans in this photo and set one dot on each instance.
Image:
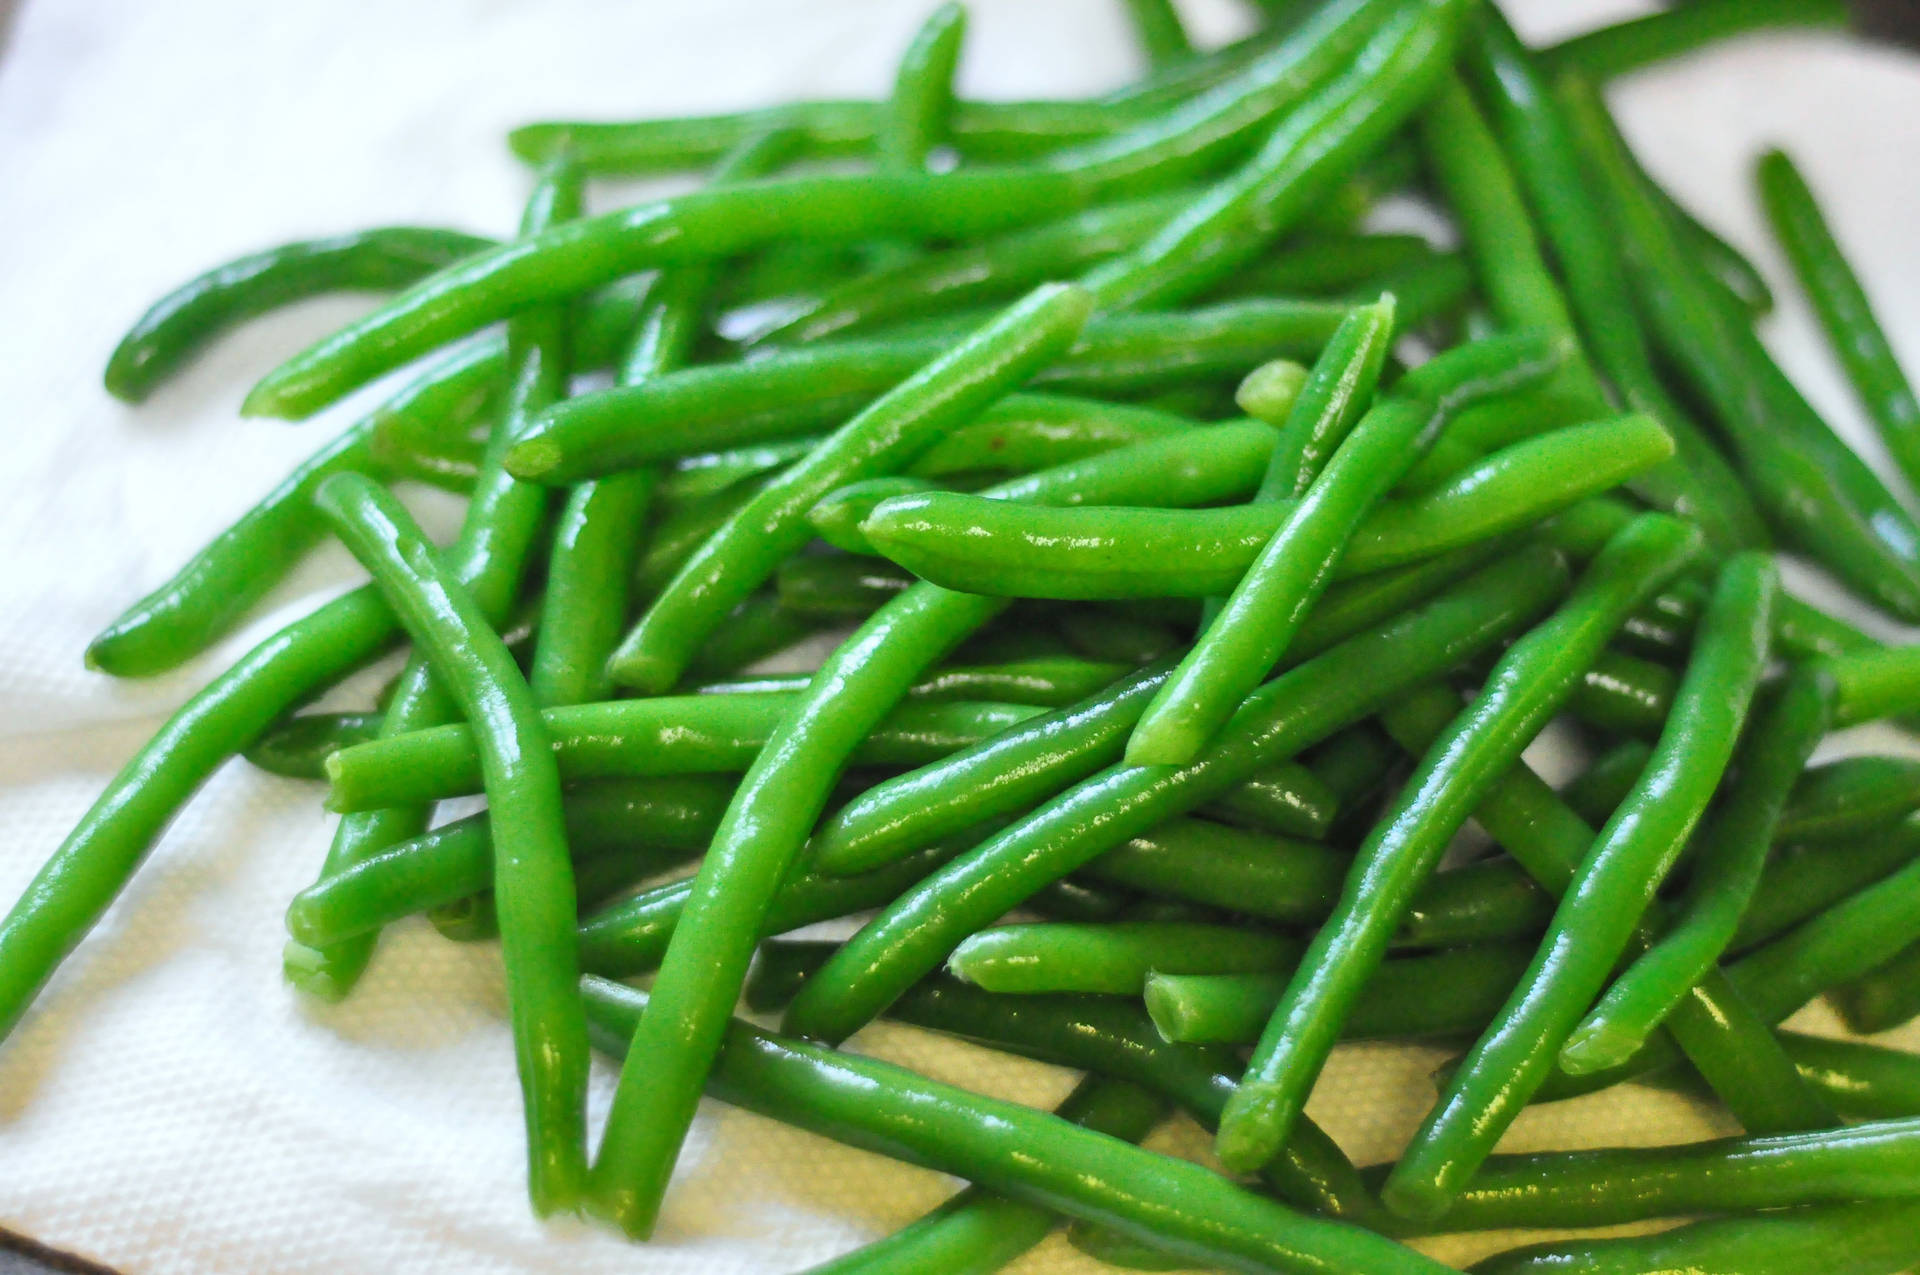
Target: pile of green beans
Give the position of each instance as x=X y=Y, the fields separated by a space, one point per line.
x=1180 y=565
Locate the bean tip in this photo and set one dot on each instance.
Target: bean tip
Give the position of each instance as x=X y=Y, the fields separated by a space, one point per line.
x=532 y=458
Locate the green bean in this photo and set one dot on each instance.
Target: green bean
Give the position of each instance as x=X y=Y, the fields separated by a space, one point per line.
x=664 y=820
x=1624 y=695
x=1158 y=30
x=667 y=735
x=1301 y=707
x=1847 y=940
x=1268 y=604
x=1110 y=958
x=838 y=587
x=299 y=746
x=1113 y=634
x=1866 y=1082
x=1606 y=899
x=1105 y=1245
x=1839 y=1239
x=1817 y=493
x=185 y=321
x=1044 y=683
x=919 y=111
x=977 y=1230
x=1624 y=47
x=964 y=542
x=837 y=517
x=1527 y=687
x=504 y=518
x=1024 y=432
x=1170 y=1202
x=988 y=271
x=1450 y=993
x=1112 y=1037
x=1698 y=482
x=1322 y=263
x=1269 y=392
x=1483 y=902
x=1804 y=880
x=757 y=628
x=206 y=598
x=1598 y=790
x=1287 y=800
x=533 y=873
x=1317 y=144
x=1883 y=998
x=1844 y=799
x=1843 y=308
x=1072 y=900
x=1725 y=875
x=1873 y=683
x=744 y=552
x=797 y=391
x=695 y=478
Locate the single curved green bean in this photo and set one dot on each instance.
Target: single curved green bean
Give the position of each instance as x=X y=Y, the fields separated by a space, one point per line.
x=1726 y=872
x=1270 y=601
x=1024 y=432
x=504 y=518
x=1528 y=686
x=1449 y=993
x=185 y=321
x=1817 y=493
x=666 y=735
x=744 y=552
x=1319 y=143
x=921 y=106
x=1624 y=47
x=533 y=872
x=1847 y=798
x=1698 y=483
x=1297 y=709
x=298 y=747
x=1606 y=899
x=978 y=1231
x=1843 y=308
x=800 y=390
x=964 y=542
x=206 y=598
x=1112 y=958
x=1048 y=682
x=1172 y=1203
x=1849 y=939
x=1839 y=1239
x=664 y=820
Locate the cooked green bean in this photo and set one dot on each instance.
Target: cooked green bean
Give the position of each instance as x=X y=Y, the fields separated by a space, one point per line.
x=1838 y=1239
x=1856 y=935
x=1624 y=695
x=827 y=588
x=503 y=520
x=695 y=478
x=1268 y=604
x=1883 y=998
x=1843 y=309
x=1044 y=683
x=919 y=111
x=1598 y=790
x=1855 y=795
x=1297 y=709
x=1726 y=871
x=964 y=542
x=1450 y=993
x=757 y=628
x=533 y=873
x=1625 y=47
x=797 y=391
x=1606 y=899
x=1321 y=263
x=1024 y=432
x=1528 y=686
x=1803 y=880
x=1111 y=958
x=1158 y=30
x=298 y=747
x=185 y=321
x=666 y=735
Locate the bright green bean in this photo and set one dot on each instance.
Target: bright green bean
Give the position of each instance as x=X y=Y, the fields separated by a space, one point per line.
x=1625 y=47
x=1838 y=1239
x=1110 y=958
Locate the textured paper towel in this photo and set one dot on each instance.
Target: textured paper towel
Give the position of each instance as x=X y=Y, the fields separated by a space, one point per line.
x=171 y=1107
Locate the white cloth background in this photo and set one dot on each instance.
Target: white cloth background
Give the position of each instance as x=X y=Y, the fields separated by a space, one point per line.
x=171 y=1107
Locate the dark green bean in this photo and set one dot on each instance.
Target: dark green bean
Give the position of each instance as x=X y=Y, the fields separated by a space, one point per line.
x=1838 y=1239
x=1849 y=939
x=1111 y=958
x=185 y=321
x=1883 y=998
x=1297 y=709
x=1527 y=687
x=1845 y=799
x=1598 y=790
x=1158 y=30
x=695 y=478
x=838 y=587
x=1804 y=880
x=1024 y=432
x=298 y=747
x=1625 y=47
x=757 y=628
x=1045 y=683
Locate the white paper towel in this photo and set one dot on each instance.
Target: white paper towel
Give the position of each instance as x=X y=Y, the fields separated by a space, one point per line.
x=171 y=1107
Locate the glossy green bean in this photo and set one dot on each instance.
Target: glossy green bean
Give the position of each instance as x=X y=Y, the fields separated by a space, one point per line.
x=1270 y=601
x=1698 y=482
x=1726 y=871
x=666 y=735
x=179 y=325
x=1804 y=880
x=1606 y=899
x=1874 y=683
x=207 y=597
x=1051 y=682
x=1528 y=686
x=1449 y=993
x=1269 y=392
x=533 y=873
x=1852 y=937
x=800 y=390
x=1598 y=790
x=1624 y=47
x=666 y=820
x=963 y=542
x=1855 y=795
x=298 y=747
x=695 y=478
x=838 y=587
x=1866 y=1082
x=837 y=517
x=1114 y=958
x=1317 y=144
x=1817 y=493
x=504 y=518
x=1624 y=695
x=977 y=1230
x=1842 y=306
x=1299 y=708
x=1840 y=1239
